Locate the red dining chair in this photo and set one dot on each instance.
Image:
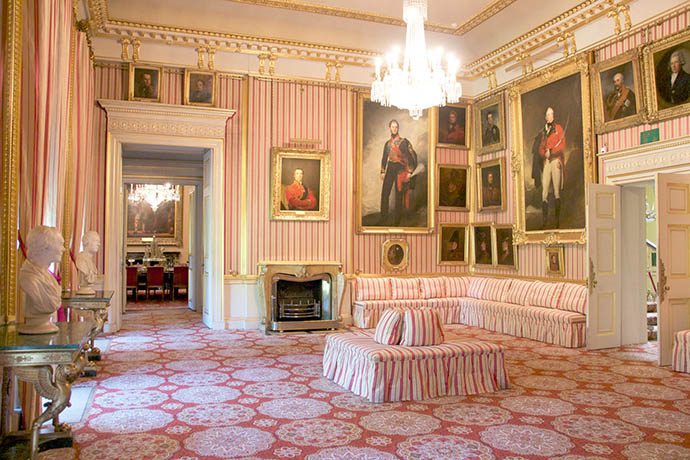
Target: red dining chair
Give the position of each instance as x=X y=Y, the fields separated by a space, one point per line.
x=155 y=280
x=180 y=279
x=133 y=281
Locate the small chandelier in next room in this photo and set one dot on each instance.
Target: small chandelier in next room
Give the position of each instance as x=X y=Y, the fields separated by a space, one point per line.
x=421 y=82
x=154 y=194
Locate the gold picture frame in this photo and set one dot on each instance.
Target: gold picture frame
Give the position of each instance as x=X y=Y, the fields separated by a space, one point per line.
x=449 y=234
x=491 y=197
x=144 y=82
x=196 y=87
x=395 y=254
x=451 y=195
x=554 y=260
x=506 y=255
x=657 y=58
x=134 y=237
x=570 y=71
x=459 y=135
x=485 y=133
x=373 y=132
x=483 y=249
x=300 y=198
x=614 y=110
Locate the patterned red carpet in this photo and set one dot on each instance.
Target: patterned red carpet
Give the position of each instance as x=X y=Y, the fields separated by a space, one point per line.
x=169 y=388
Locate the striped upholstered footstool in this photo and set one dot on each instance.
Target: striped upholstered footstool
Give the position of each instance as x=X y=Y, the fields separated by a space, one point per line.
x=382 y=373
x=681 y=351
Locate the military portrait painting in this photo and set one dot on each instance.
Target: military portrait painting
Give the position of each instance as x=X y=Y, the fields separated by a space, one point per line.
x=453 y=187
x=668 y=63
x=617 y=92
x=491 y=185
x=453 y=126
x=553 y=166
x=452 y=244
x=144 y=83
x=483 y=249
x=300 y=184
x=506 y=254
x=199 y=88
x=490 y=125
x=395 y=169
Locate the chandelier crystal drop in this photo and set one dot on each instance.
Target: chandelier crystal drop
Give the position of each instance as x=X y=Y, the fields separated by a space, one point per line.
x=421 y=82
x=154 y=194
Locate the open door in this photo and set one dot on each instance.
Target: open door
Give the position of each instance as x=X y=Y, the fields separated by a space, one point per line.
x=212 y=245
x=604 y=279
x=673 y=230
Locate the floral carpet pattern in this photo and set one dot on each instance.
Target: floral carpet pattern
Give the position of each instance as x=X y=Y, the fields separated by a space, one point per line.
x=170 y=388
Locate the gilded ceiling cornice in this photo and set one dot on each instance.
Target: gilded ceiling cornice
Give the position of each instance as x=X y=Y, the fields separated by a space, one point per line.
x=98 y=12
x=485 y=14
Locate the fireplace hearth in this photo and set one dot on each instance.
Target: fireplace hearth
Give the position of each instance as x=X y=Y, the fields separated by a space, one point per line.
x=300 y=296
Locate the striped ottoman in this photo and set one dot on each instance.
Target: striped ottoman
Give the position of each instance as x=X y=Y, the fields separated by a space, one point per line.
x=382 y=373
x=681 y=351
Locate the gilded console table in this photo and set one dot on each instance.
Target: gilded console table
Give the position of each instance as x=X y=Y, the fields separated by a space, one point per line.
x=51 y=362
x=97 y=304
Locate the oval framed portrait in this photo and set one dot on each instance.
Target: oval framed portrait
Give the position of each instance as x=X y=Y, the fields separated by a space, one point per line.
x=395 y=254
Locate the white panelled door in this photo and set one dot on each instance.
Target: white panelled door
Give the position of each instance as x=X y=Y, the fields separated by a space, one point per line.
x=673 y=250
x=207 y=264
x=604 y=279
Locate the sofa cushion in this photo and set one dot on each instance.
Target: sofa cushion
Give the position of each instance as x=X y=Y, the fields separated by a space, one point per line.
x=421 y=327
x=495 y=289
x=456 y=286
x=389 y=328
x=573 y=298
x=518 y=292
x=477 y=287
x=404 y=288
x=545 y=294
x=432 y=288
x=373 y=289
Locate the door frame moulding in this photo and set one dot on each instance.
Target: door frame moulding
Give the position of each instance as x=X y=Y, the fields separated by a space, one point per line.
x=162 y=124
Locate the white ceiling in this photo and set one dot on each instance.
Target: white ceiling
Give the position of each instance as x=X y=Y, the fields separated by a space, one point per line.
x=289 y=20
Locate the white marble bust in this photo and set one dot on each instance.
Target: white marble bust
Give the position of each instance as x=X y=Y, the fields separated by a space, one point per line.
x=44 y=245
x=88 y=273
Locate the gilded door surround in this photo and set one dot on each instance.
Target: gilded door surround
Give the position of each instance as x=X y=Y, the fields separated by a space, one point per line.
x=162 y=124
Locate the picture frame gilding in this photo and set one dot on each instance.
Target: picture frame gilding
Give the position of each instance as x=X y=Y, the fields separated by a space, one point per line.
x=484 y=133
x=507 y=257
x=483 y=255
x=575 y=66
x=554 y=260
x=450 y=192
x=460 y=136
x=447 y=254
x=609 y=113
x=395 y=254
x=134 y=238
x=144 y=82
x=196 y=87
x=491 y=197
x=306 y=197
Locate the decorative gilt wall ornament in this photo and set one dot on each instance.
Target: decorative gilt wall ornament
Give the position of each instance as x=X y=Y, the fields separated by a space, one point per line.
x=136 y=45
x=211 y=50
x=125 y=49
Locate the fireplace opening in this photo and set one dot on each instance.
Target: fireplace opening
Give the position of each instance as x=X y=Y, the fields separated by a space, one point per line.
x=298 y=301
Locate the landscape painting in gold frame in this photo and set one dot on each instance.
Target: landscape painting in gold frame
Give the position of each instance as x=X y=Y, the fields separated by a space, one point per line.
x=453 y=244
x=395 y=254
x=490 y=125
x=491 y=185
x=554 y=260
x=506 y=251
x=564 y=88
x=381 y=205
x=617 y=93
x=454 y=125
x=665 y=99
x=300 y=184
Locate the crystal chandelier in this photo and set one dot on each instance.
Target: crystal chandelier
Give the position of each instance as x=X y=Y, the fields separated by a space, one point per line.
x=421 y=82
x=154 y=194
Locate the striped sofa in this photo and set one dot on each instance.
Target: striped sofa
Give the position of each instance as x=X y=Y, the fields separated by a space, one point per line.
x=551 y=312
x=681 y=351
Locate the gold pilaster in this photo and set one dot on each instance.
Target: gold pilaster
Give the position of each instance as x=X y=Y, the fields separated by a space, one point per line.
x=11 y=100
x=244 y=223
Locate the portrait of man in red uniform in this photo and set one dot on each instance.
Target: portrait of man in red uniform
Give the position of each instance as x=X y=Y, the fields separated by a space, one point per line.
x=298 y=195
x=451 y=126
x=547 y=164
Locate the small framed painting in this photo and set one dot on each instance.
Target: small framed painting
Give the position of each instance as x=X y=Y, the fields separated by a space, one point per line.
x=554 y=260
x=483 y=249
x=454 y=126
x=453 y=189
x=144 y=83
x=506 y=253
x=199 y=87
x=300 y=184
x=453 y=242
x=491 y=185
x=490 y=125
x=395 y=254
